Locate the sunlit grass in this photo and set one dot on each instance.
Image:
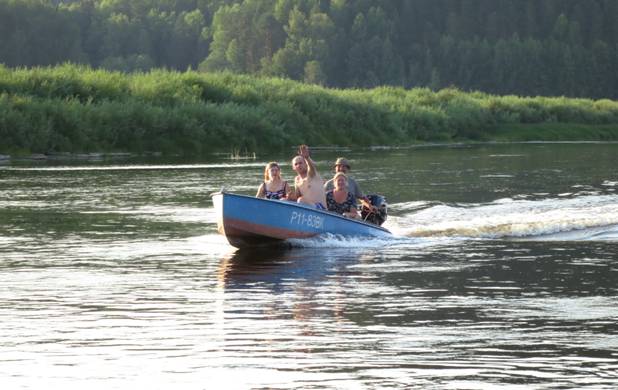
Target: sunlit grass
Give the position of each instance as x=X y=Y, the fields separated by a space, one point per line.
x=73 y=108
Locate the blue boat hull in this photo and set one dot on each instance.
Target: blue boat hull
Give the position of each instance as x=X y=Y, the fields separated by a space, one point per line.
x=247 y=221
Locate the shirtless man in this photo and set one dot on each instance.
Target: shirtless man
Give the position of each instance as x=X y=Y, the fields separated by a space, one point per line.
x=308 y=184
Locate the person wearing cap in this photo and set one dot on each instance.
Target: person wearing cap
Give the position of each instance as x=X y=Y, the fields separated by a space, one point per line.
x=343 y=165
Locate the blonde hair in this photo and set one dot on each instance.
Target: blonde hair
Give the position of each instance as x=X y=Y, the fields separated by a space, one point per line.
x=267 y=169
x=340 y=174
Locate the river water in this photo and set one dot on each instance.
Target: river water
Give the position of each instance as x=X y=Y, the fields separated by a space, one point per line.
x=503 y=274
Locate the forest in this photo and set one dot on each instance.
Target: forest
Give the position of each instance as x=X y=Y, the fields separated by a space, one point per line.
x=521 y=47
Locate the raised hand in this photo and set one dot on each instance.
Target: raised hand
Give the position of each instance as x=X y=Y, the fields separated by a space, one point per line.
x=303 y=151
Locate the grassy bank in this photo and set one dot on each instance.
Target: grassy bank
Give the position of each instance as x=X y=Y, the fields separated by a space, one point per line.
x=553 y=131
x=78 y=109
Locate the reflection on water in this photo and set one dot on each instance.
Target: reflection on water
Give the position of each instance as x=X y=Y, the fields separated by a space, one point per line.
x=278 y=268
x=503 y=274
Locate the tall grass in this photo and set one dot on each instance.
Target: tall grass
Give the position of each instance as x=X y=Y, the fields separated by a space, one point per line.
x=72 y=108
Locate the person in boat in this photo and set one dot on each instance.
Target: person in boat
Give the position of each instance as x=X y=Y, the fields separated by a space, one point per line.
x=273 y=187
x=340 y=199
x=343 y=165
x=308 y=184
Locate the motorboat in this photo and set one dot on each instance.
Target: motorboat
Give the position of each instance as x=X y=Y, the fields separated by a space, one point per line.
x=248 y=221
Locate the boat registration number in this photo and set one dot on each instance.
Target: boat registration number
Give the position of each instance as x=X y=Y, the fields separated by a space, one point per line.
x=306 y=219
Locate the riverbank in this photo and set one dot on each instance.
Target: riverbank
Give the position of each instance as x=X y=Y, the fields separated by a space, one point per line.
x=79 y=110
x=519 y=132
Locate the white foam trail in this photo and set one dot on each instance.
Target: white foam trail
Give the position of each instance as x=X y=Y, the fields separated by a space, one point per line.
x=337 y=241
x=515 y=218
x=367 y=243
x=602 y=233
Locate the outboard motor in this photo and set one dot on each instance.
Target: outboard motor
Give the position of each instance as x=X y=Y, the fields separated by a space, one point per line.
x=378 y=216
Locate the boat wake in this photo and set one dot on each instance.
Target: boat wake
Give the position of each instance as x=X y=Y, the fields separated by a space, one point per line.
x=337 y=241
x=581 y=218
x=425 y=224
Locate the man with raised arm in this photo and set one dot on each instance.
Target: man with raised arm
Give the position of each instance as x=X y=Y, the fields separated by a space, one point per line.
x=308 y=184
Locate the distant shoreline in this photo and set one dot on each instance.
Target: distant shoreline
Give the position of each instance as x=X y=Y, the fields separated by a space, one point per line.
x=97 y=157
x=84 y=113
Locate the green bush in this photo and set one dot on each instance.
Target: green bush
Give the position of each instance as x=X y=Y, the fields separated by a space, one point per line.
x=72 y=108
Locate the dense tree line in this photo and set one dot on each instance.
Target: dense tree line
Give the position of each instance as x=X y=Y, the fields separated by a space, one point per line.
x=524 y=47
